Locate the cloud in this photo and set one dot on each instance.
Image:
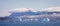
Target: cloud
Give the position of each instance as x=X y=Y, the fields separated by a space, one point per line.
x=22 y=10
x=52 y=9
x=19 y=10
x=7 y=12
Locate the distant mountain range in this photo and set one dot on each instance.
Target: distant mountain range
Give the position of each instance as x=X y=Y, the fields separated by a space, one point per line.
x=30 y=14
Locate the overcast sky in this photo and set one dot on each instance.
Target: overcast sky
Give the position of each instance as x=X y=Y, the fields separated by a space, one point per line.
x=5 y=5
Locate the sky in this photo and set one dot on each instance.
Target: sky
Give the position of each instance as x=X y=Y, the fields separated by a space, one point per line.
x=6 y=5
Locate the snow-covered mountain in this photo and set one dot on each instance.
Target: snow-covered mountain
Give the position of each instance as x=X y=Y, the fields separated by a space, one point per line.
x=15 y=14
x=31 y=14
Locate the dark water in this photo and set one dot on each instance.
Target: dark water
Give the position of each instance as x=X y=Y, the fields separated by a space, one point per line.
x=41 y=24
x=32 y=23
x=29 y=24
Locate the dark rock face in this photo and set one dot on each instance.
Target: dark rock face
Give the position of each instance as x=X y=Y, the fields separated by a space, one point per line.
x=4 y=18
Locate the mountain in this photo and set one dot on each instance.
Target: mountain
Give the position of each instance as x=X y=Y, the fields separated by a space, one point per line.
x=15 y=14
x=18 y=14
x=27 y=11
x=5 y=18
x=30 y=13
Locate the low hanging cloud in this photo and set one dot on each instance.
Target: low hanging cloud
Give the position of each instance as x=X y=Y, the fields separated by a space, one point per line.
x=22 y=10
x=51 y=9
x=34 y=10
